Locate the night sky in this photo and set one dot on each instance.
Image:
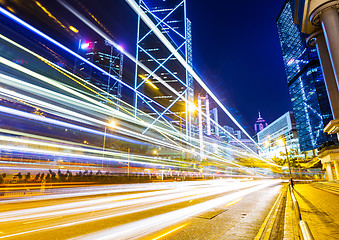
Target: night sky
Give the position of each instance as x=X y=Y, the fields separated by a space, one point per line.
x=235 y=49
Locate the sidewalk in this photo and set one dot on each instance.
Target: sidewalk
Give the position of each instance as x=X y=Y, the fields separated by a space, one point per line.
x=319 y=208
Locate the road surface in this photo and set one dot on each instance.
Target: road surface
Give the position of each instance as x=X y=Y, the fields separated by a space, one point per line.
x=214 y=209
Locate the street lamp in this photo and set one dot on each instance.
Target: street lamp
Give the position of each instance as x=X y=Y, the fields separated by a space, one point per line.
x=111 y=124
x=268 y=144
x=283 y=141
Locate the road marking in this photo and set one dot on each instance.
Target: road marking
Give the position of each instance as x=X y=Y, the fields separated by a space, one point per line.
x=233 y=202
x=173 y=230
x=262 y=228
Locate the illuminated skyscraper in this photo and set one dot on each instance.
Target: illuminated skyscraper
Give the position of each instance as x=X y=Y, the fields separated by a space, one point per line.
x=305 y=81
x=107 y=58
x=260 y=124
x=170 y=18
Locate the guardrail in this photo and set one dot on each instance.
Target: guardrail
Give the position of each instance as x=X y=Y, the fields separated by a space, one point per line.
x=305 y=232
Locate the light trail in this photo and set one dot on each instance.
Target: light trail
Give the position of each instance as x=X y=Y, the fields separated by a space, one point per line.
x=103 y=190
x=169 y=232
x=138 y=199
x=97 y=159
x=80 y=147
x=133 y=204
x=159 y=222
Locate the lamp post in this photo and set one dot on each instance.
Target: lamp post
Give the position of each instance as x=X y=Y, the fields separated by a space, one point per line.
x=110 y=124
x=269 y=146
x=283 y=139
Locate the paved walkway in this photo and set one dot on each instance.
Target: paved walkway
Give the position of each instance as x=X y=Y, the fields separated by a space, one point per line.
x=320 y=209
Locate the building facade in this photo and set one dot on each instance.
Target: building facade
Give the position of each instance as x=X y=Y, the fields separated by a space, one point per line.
x=320 y=19
x=282 y=128
x=305 y=80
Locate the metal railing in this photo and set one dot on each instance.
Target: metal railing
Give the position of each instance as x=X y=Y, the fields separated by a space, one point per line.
x=304 y=230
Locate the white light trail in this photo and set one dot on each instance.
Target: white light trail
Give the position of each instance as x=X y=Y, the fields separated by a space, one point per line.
x=115 y=202
x=158 y=222
x=180 y=192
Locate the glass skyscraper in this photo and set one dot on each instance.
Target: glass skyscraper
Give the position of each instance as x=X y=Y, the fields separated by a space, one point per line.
x=305 y=81
x=107 y=58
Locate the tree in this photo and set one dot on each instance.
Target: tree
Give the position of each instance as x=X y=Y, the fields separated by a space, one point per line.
x=27 y=176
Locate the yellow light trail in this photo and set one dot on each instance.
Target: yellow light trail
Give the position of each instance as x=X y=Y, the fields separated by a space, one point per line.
x=148 y=81
x=233 y=202
x=73 y=29
x=50 y=14
x=173 y=230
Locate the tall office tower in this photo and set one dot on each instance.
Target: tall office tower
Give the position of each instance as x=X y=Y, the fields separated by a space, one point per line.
x=305 y=81
x=109 y=59
x=214 y=116
x=170 y=18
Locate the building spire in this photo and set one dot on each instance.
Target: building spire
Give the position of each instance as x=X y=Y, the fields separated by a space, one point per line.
x=260 y=124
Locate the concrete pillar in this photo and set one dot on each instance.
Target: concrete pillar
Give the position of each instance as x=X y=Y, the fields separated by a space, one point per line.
x=336 y=166
x=329 y=19
x=329 y=171
x=331 y=84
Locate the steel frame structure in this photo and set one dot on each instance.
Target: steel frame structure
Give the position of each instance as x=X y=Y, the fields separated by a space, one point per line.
x=183 y=45
x=116 y=84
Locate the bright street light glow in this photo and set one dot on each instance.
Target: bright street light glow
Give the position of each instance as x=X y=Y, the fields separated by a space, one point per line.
x=112 y=123
x=281 y=142
x=191 y=107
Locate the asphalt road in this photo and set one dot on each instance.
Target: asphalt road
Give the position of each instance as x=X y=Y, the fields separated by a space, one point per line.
x=215 y=209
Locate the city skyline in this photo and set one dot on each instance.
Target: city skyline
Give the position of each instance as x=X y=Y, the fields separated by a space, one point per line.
x=169 y=119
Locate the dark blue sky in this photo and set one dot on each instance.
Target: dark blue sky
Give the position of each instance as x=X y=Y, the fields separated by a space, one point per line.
x=237 y=51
